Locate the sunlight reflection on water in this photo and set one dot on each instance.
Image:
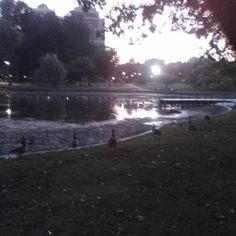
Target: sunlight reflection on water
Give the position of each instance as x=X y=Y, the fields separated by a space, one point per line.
x=122 y=113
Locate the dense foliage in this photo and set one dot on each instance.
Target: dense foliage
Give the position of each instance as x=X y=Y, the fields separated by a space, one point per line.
x=27 y=35
x=196 y=74
x=202 y=74
x=51 y=71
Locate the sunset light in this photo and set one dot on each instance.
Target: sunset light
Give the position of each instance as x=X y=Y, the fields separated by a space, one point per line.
x=166 y=45
x=156 y=70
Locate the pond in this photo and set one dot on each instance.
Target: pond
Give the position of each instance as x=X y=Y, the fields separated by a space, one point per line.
x=49 y=121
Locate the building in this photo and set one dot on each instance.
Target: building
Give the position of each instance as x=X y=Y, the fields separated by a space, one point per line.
x=95 y=24
x=42 y=9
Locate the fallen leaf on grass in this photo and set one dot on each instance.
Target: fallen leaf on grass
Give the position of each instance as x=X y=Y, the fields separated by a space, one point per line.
x=140 y=218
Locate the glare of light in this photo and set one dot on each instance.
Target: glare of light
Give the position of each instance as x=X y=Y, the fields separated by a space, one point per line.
x=140 y=113
x=156 y=70
x=8 y=111
x=7 y=63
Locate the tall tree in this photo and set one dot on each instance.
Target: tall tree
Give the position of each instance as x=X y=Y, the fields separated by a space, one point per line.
x=51 y=71
x=75 y=39
x=7 y=9
x=106 y=61
x=82 y=68
x=10 y=40
x=42 y=34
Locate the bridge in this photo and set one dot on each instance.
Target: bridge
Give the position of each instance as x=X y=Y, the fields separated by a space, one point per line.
x=187 y=100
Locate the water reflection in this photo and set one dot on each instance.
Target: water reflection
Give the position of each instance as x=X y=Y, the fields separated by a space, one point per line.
x=123 y=113
x=79 y=109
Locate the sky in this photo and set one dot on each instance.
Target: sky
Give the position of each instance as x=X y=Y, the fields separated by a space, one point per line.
x=169 y=46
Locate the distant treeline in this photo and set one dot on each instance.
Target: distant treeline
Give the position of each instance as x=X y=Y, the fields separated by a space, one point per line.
x=197 y=73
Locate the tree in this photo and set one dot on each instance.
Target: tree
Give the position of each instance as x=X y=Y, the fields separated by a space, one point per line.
x=42 y=35
x=81 y=68
x=212 y=75
x=201 y=17
x=51 y=71
x=14 y=12
x=106 y=61
x=10 y=41
x=75 y=36
x=7 y=9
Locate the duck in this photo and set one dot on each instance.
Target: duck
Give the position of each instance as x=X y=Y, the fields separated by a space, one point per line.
x=112 y=141
x=189 y=120
x=155 y=131
x=74 y=142
x=21 y=147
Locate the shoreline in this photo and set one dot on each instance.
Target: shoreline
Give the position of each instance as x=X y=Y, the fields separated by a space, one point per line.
x=26 y=89
x=125 y=130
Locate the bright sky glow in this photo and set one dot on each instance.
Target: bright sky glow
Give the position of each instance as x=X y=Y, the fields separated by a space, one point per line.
x=169 y=46
x=61 y=7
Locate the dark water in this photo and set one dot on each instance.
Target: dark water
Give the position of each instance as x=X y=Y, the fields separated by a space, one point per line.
x=77 y=109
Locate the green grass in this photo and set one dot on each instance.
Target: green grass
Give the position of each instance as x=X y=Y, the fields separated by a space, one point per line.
x=180 y=183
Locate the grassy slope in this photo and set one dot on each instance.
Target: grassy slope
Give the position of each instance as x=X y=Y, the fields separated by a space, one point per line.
x=178 y=184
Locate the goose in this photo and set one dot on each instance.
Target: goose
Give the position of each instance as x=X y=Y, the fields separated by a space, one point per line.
x=74 y=142
x=155 y=131
x=21 y=148
x=112 y=142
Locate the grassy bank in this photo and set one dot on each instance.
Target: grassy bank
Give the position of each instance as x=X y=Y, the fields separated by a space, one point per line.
x=180 y=183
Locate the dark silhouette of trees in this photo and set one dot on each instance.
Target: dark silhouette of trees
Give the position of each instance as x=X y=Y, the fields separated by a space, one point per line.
x=10 y=40
x=27 y=35
x=7 y=9
x=202 y=74
x=42 y=34
x=106 y=62
x=82 y=68
x=75 y=35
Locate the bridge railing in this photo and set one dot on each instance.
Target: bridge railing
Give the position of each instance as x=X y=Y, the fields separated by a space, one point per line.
x=199 y=94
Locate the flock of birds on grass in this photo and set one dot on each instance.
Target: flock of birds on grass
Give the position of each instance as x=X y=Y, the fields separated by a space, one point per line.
x=21 y=148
